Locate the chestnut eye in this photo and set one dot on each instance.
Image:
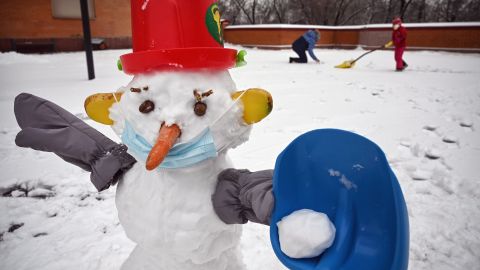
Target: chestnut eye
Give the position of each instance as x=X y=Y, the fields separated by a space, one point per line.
x=200 y=108
x=147 y=106
x=135 y=90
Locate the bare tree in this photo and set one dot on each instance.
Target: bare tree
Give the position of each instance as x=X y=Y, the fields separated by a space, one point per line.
x=372 y=11
x=388 y=14
x=403 y=7
x=230 y=11
x=471 y=11
x=265 y=12
x=253 y=10
x=422 y=5
x=355 y=14
x=280 y=8
x=242 y=5
x=341 y=12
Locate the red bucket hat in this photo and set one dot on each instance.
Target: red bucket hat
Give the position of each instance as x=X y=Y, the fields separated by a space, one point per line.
x=176 y=34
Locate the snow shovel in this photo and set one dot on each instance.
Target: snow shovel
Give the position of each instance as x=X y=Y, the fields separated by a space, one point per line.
x=351 y=63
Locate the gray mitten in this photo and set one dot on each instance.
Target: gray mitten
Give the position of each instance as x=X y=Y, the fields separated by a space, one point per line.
x=48 y=127
x=242 y=195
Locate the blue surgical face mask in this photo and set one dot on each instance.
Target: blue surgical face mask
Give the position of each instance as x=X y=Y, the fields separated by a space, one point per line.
x=181 y=155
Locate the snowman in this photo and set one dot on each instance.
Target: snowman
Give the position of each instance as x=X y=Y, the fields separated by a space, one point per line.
x=177 y=118
x=178 y=127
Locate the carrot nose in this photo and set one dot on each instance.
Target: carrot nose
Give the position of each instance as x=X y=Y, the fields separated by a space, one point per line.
x=166 y=139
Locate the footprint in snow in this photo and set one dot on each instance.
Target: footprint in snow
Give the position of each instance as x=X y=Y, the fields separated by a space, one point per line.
x=430 y=127
x=31 y=189
x=51 y=213
x=40 y=234
x=450 y=139
x=421 y=175
x=13 y=227
x=432 y=154
x=41 y=193
x=466 y=123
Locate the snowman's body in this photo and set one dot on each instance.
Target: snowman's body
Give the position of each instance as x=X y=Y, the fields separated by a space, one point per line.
x=168 y=212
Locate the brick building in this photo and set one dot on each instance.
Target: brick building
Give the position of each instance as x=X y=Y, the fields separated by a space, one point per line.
x=56 y=25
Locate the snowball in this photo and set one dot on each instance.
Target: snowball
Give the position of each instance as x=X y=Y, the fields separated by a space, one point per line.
x=305 y=234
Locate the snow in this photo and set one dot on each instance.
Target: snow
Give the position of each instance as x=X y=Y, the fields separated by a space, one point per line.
x=343 y=179
x=78 y=228
x=305 y=234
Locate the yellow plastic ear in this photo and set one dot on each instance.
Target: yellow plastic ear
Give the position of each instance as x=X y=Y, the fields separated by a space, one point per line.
x=97 y=106
x=257 y=104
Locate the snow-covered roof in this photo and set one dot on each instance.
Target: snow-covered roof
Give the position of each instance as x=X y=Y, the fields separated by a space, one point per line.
x=353 y=27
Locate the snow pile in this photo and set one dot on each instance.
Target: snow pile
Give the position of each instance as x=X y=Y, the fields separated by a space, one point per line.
x=305 y=234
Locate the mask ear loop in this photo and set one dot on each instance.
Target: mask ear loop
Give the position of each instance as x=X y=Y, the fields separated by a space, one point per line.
x=235 y=102
x=229 y=108
x=221 y=115
x=120 y=107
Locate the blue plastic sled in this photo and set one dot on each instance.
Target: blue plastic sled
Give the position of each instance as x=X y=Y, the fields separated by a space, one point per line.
x=347 y=177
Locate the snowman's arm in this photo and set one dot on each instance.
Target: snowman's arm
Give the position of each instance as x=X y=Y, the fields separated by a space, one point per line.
x=242 y=196
x=48 y=127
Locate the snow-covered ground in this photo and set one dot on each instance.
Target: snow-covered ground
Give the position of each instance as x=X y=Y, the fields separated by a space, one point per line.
x=426 y=119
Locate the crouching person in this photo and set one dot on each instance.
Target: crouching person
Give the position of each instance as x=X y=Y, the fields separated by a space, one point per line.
x=306 y=42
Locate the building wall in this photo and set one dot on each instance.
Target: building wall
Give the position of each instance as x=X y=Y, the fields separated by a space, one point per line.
x=33 y=19
x=454 y=37
x=345 y=38
x=30 y=23
x=271 y=37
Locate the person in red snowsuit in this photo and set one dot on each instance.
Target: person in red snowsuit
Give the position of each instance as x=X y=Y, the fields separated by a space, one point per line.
x=399 y=39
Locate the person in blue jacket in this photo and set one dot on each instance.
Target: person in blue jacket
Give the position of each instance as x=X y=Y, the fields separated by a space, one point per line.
x=306 y=42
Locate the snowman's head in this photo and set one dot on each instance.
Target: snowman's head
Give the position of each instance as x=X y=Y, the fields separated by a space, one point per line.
x=183 y=104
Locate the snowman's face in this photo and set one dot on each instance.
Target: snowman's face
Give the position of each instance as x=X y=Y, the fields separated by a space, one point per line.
x=167 y=98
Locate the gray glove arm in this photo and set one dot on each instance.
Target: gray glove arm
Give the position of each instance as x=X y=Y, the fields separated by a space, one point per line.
x=241 y=196
x=48 y=127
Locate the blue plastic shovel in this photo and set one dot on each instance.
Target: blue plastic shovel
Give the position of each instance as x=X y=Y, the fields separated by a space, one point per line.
x=347 y=177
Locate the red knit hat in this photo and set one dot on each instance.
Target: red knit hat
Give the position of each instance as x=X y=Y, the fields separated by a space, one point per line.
x=176 y=34
x=397 y=20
